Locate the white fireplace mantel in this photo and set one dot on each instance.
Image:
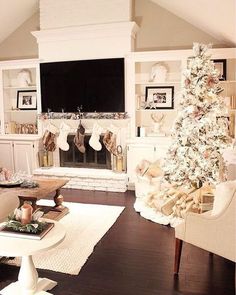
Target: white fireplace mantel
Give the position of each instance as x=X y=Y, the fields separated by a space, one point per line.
x=108 y=40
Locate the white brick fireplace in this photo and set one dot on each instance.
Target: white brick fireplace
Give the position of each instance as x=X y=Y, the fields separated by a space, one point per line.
x=87 y=178
x=68 y=33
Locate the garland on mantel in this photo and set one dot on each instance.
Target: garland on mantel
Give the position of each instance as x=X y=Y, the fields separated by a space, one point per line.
x=78 y=116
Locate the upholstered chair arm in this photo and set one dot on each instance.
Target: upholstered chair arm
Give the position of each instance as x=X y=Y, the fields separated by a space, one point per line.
x=214 y=233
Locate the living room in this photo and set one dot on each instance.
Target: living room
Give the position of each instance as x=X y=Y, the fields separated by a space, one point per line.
x=111 y=149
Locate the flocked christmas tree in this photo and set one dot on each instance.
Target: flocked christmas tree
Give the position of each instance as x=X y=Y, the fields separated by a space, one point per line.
x=200 y=131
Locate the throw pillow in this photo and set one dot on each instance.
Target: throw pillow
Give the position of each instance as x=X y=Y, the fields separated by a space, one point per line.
x=223 y=194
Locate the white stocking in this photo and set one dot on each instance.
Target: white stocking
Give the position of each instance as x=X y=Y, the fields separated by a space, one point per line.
x=52 y=128
x=94 y=139
x=62 y=138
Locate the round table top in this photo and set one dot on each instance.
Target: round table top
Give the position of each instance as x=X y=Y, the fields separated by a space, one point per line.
x=14 y=246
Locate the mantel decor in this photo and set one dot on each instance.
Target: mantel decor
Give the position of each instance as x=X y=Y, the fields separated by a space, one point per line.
x=26 y=100
x=159 y=97
x=80 y=115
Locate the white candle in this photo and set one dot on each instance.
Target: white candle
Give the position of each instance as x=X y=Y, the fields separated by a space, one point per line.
x=27 y=211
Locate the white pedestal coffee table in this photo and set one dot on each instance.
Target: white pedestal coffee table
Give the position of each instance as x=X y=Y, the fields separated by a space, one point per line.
x=28 y=282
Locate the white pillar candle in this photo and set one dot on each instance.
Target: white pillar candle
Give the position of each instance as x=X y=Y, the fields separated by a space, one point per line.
x=27 y=211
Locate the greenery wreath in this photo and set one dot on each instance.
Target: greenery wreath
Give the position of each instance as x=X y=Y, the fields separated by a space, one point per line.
x=33 y=227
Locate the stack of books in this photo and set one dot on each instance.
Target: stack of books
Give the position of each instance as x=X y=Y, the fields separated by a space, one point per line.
x=9 y=232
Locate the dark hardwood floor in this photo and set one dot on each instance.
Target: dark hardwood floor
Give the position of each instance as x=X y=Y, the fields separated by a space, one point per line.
x=136 y=257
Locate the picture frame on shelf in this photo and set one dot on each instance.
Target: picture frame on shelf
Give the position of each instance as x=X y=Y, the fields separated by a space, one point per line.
x=220 y=65
x=27 y=99
x=159 y=97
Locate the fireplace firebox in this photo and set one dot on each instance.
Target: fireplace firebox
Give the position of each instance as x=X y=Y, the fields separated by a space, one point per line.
x=90 y=159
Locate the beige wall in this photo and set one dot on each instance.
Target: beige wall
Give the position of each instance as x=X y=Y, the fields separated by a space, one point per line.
x=21 y=43
x=159 y=29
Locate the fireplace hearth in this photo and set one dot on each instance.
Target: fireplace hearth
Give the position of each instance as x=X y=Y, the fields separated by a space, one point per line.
x=90 y=159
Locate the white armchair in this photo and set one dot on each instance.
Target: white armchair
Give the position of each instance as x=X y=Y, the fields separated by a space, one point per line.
x=9 y=201
x=213 y=231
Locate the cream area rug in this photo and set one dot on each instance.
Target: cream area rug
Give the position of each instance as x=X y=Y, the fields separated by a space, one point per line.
x=85 y=225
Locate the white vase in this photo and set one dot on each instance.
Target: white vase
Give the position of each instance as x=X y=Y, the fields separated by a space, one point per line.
x=24 y=78
x=157 y=128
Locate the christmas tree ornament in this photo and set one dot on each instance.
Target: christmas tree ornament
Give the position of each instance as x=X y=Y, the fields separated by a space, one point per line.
x=62 y=138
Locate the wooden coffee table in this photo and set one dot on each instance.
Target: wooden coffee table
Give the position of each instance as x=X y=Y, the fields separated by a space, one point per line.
x=45 y=188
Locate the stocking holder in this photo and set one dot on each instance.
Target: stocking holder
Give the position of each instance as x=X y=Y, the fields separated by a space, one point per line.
x=79 y=109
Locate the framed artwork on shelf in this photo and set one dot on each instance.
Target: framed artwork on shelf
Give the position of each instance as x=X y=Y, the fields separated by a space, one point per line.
x=220 y=65
x=27 y=99
x=159 y=97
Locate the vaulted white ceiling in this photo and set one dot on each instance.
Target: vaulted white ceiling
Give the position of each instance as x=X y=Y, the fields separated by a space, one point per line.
x=14 y=13
x=215 y=17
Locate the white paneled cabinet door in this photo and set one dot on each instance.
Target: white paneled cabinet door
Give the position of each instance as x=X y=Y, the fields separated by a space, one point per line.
x=135 y=154
x=6 y=155
x=24 y=156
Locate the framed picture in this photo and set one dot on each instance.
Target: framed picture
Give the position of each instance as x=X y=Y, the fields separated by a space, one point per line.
x=220 y=65
x=159 y=97
x=27 y=99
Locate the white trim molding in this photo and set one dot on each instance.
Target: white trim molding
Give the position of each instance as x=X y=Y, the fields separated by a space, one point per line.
x=86 y=42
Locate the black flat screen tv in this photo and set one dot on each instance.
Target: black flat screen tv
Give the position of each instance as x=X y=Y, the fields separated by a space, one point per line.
x=96 y=85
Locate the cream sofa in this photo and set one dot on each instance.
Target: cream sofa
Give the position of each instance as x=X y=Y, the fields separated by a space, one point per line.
x=9 y=201
x=213 y=231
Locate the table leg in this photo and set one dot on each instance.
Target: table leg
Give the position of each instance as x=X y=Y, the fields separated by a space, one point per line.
x=58 y=200
x=28 y=282
x=28 y=276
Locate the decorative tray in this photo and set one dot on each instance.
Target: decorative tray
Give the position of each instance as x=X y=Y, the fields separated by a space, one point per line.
x=10 y=183
x=26 y=230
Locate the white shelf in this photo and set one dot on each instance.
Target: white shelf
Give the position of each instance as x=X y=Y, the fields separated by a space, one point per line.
x=227 y=81
x=162 y=140
x=153 y=110
x=147 y=83
x=32 y=87
x=175 y=61
x=21 y=136
x=19 y=111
